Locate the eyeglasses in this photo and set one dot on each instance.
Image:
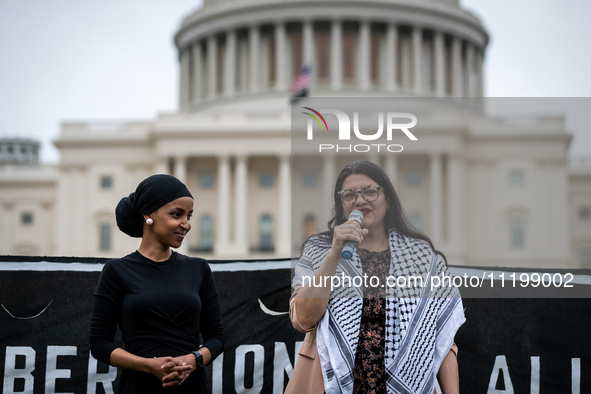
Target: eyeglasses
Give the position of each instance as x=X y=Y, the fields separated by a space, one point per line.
x=369 y=193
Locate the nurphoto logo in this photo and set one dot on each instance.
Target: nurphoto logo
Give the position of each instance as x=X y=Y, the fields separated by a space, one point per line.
x=344 y=131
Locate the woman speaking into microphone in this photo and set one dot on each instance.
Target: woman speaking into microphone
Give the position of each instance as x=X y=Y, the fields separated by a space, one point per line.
x=372 y=337
x=161 y=300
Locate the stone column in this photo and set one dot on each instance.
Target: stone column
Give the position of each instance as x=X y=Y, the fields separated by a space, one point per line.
x=222 y=241
x=254 y=58
x=436 y=191
x=480 y=70
x=180 y=168
x=241 y=206
x=457 y=80
x=243 y=69
x=308 y=40
x=230 y=64
x=455 y=203
x=439 y=64
x=391 y=46
x=185 y=64
x=364 y=55
x=82 y=184
x=470 y=82
x=284 y=244
x=336 y=55
x=65 y=201
x=280 y=67
x=391 y=169
x=417 y=48
x=161 y=166
x=9 y=220
x=328 y=180
x=212 y=49
x=197 y=73
x=180 y=172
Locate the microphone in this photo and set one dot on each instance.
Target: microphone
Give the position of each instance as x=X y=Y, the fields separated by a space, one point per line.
x=347 y=252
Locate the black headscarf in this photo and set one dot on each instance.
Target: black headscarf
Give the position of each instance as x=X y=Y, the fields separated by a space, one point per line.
x=151 y=194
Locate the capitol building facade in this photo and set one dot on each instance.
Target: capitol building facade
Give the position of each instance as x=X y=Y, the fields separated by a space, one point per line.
x=488 y=191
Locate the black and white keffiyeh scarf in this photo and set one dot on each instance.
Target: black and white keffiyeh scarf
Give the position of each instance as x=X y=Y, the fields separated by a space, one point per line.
x=421 y=322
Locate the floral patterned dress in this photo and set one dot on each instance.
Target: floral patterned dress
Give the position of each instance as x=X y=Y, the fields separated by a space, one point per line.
x=369 y=373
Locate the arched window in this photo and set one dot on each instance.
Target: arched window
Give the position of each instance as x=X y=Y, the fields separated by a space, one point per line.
x=266 y=233
x=205 y=233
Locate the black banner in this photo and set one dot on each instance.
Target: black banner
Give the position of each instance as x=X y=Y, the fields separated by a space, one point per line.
x=506 y=345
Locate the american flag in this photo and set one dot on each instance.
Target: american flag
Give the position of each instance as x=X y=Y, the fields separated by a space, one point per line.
x=302 y=81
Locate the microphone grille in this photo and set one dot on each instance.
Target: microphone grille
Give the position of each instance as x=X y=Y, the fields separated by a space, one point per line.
x=356 y=215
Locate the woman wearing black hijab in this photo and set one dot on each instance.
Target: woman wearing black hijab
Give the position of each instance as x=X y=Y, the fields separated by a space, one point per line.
x=161 y=300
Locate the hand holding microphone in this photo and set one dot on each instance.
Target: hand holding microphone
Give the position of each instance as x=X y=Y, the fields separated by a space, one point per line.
x=347 y=252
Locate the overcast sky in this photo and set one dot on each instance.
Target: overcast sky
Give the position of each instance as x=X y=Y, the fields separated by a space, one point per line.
x=115 y=60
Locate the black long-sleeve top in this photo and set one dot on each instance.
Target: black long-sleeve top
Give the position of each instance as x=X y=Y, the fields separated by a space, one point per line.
x=160 y=308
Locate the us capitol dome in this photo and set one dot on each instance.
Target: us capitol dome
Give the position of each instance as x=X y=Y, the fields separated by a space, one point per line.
x=236 y=51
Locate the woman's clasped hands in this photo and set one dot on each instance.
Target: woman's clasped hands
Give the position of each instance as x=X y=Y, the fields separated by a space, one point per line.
x=172 y=371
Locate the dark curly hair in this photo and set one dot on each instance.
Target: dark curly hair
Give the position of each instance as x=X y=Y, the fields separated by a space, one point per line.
x=395 y=218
